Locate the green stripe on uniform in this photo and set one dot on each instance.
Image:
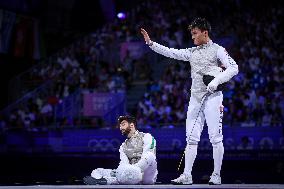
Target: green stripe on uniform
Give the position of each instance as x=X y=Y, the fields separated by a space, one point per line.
x=153 y=143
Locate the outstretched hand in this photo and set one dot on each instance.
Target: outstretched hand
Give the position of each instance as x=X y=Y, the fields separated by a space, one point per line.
x=146 y=36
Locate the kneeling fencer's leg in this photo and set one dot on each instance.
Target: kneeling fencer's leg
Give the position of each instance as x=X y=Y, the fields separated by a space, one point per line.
x=147 y=159
x=108 y=174
x=148 y=166
x=128 y=174
x=150 y=175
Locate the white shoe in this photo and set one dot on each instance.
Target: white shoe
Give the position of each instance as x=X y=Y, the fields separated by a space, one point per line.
x=182 y=179
x=215 y=179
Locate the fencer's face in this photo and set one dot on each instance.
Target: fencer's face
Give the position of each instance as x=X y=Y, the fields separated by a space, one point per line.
x=125 y=128
x=199 y=37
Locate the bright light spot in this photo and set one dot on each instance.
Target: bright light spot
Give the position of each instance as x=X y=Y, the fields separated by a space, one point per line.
x=121 y=15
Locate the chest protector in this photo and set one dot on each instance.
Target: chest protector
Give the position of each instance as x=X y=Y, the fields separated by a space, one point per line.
x=133 y=147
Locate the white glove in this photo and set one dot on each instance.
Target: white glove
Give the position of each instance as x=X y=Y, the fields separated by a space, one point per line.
x=212 y=86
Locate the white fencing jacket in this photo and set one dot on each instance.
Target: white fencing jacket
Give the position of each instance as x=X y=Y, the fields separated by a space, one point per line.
x=205 y=59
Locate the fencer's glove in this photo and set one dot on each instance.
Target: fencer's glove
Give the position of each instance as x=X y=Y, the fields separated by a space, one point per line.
x=212 y=86
x=207 y=79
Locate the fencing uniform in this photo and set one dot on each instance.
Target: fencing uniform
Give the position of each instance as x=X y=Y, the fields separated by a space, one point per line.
x=205 y=59
x=137 y=165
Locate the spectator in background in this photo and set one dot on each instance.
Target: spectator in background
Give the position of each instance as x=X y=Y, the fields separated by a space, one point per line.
x=246 y=144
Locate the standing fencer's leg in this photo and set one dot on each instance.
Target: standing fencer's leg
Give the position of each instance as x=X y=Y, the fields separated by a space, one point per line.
x=194 y=126
x=214 y=115
x=190 y=155
x=148 y=166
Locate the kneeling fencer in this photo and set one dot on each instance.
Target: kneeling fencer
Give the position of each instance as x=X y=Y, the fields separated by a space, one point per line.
x=138 y=163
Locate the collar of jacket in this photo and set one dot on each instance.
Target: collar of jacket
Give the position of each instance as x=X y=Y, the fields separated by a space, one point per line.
x=134 y=134
x=210 y=42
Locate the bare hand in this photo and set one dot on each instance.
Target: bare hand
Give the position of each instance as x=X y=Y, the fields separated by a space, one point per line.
x=145 y=35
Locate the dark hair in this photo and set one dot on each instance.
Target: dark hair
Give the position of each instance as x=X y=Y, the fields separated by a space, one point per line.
x=200 y=23
x=128 y=118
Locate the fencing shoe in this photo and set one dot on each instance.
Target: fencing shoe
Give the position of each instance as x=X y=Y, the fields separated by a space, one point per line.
x=182 y=179
x=92 y=181
x=215 y=179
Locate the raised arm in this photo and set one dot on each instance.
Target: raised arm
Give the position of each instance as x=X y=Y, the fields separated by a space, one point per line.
x=146 y=37
x=179 y=54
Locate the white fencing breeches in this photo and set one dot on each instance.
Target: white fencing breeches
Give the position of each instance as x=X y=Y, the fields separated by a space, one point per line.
x=212 y=111
x=147 y=165
x=108 y=174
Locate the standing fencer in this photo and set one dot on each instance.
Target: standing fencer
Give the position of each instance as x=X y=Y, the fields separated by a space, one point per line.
x=205 y=103
x=138 y=163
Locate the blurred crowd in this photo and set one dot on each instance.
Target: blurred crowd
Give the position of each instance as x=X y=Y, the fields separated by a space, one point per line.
x=254 y=97
x=92 y=64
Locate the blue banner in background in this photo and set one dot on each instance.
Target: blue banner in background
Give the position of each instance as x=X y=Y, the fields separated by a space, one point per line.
x=109 y=106
x=109 y=140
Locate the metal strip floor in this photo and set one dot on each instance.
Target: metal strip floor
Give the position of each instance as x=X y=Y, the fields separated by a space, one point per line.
x=199 y=186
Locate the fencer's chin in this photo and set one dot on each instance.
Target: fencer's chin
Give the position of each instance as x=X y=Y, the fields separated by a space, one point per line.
x=124 y=133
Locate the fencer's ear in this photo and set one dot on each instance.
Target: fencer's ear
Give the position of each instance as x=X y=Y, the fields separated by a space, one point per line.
x=132 y=125
x=205 y=32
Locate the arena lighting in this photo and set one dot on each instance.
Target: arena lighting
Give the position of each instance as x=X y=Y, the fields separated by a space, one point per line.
x=121 y=15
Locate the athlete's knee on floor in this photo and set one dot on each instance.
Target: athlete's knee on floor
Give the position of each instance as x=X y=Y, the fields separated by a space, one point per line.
x=150 y=156
x=128 y=174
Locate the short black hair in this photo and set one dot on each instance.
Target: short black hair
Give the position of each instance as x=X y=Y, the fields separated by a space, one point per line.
x=200 y=23
x=128 y=118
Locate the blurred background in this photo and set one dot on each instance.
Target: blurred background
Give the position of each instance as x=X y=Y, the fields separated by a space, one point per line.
x=69 y=68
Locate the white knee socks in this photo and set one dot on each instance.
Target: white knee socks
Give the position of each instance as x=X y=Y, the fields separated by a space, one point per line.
x=218 y=152
x=190 y=155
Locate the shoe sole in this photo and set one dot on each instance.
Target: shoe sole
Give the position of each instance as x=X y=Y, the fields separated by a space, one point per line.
x=179 y=183
x=211 y=183
x=88 y=180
